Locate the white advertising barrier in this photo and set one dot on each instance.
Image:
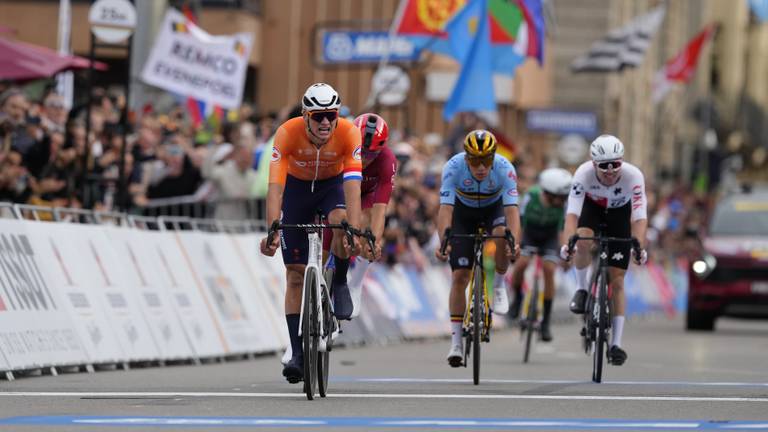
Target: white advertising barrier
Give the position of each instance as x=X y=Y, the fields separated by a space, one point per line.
x=258 y=312
x=142 y=275
x=188 y=61
x=35 y=329
x=238 y=323
x=105 y=273
x=266 y=276
x=67 y=275
x=178 y=276
x=406 y=291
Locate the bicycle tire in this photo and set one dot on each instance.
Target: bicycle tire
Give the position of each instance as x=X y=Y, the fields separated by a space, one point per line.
x=309 y=334
x=600 y=339
x=531 y=318
x=478 y=317
x=324 y=358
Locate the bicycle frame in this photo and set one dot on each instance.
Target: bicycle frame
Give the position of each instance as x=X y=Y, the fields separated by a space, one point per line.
x=533 y=305
x=538 y=274
x=478 y=264
x=314 y=265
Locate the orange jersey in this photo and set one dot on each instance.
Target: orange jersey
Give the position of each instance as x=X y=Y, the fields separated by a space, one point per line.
x=293 y=153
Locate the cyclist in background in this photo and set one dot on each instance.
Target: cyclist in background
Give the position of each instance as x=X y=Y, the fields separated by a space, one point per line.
x=542 y=213
x=316 y=165
x=379 y=168
x=478 y=188
x=615 y=192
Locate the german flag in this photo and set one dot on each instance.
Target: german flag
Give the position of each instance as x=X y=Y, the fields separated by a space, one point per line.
x=240 y=48
x=179 y=27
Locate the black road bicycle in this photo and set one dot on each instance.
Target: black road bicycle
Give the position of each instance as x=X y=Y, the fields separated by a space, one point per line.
x=476 y=327
x=597 y=313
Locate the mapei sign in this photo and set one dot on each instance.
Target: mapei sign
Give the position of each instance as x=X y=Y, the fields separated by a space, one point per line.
x=582 y=123
x=365 y=47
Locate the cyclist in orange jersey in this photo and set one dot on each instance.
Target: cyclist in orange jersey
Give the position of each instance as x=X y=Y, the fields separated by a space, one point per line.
x=316 y=165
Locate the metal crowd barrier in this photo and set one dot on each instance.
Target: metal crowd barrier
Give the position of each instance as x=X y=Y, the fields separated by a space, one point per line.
x=194 y=207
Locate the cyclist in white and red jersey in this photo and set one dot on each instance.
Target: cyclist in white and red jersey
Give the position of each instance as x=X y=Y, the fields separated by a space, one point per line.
x=607 y=191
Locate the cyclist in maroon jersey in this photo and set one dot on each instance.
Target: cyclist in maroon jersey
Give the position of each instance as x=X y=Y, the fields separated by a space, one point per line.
x=379 y=168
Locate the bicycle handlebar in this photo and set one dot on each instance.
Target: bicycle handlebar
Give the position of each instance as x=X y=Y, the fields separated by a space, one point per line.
x=635 y=243
x=507 y=236
x=349 y=232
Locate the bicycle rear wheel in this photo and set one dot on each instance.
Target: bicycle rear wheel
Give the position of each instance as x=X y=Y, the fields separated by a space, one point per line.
x=309 y=334
x=324 y=357
x=530 y=319
x=478 y=306
x=601 y=323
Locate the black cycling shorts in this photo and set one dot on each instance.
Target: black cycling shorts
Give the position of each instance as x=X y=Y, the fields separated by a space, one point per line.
x=466 y=220
x=618 y=224
x=545 y=241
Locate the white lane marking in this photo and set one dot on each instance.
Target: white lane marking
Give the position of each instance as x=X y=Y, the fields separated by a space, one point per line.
x=513 y=381
x=150 y=395
x=145 y=421
x=543 y=423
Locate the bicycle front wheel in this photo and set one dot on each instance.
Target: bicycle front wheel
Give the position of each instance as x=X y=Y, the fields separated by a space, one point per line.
x=309 y=333
x=478 y=308
x=324 y=357
x=601 y=320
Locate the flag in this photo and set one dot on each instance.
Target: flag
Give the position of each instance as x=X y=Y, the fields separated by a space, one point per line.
x=473 y=90
x=681 y=67
x=422 y=22
x=622 y=47
x=760 y=9
x=516 y=29
x=504 y=146
x=196 y=110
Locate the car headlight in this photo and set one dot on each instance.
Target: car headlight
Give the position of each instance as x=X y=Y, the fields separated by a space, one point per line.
x=704 y=266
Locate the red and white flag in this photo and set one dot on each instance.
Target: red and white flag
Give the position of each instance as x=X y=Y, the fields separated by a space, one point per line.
x=680 y=68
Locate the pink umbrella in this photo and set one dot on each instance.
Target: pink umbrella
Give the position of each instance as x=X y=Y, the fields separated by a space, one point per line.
x=22 y=61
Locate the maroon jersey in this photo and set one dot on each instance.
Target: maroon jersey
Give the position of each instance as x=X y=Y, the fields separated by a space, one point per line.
x=378 y=179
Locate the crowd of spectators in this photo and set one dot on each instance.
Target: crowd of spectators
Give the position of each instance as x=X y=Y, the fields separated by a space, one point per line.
x=169 y=161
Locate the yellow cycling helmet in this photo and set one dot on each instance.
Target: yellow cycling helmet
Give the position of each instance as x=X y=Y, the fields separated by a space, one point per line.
x=480 y=143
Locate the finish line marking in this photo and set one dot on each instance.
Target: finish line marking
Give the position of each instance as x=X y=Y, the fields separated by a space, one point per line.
x=513 y=381
x=385 y=422
x=151 y=395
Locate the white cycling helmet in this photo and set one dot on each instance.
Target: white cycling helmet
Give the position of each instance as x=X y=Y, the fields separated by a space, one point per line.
x=320 y=96
x=606 y=148
x=556 y=181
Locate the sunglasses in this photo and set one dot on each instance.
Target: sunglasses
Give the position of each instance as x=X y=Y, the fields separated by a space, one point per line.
x=477 y=161
x=370 y=154
x=609 y=166
x=318 y=116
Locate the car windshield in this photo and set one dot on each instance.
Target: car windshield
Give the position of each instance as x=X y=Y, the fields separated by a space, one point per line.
x=741 y=216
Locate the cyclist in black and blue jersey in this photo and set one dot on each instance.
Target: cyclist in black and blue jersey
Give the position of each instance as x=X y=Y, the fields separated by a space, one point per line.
x=543 y=215
x=478 y=188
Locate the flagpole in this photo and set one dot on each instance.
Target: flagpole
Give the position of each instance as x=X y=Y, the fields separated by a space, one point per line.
x=65 y=80
x=373 y=96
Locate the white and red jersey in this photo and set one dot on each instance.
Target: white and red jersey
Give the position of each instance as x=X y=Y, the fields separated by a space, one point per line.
x=630 y=188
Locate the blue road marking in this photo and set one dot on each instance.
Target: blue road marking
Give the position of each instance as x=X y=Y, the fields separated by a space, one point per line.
x=386 y=422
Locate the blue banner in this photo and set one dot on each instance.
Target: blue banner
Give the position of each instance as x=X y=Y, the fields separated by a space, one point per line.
x=365 y=47
x=563 y=122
